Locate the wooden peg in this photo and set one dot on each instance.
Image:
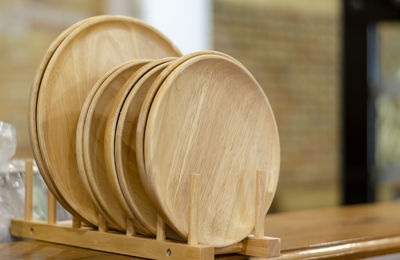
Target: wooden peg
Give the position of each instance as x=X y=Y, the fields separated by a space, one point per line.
x=160 y=228
x=28 y=189
x=102 y=223
x=130 y=228
x=259 y=204
x=51 y=208
x=76 y=223
x=193 y=209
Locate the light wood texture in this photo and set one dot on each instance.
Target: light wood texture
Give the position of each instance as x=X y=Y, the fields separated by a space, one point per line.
x=351 y=250
x=138 y=246
x=102 y=223
x=193 y=209
x=28 y=189
x=307 y=230
x=111 y=242
x=120 y=161
x=130 y=228
x=259 y=205
x=129 y=138
x=84 y=56
x=32 y=112
x=33 y=249
x=76 y=223
x=161 y=234
x=80 y=151
x=350 y=232
x=224 y=129
x=90 y=146
x=122 y=136
x=51 y=208
x=261 y=247
x=144 y=110
x=68 y=233
x=234 y=248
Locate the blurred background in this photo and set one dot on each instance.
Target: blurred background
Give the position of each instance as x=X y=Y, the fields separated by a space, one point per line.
x=330 y=69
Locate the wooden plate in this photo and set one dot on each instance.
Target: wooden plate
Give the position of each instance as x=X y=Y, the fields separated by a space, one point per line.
x=132 y=190
x=211 y=117
x=90 y=146
x=144 y=110
x=84 y=56
x=32 y=112
x=124 y=147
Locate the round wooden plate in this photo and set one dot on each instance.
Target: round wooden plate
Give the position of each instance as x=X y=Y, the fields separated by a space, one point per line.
x=124 y=147
x=32 y=112
x=211 y=117
x=84 y=56
x=144 y=110
x=132 y=190
x=90 y=146
x=140 y=128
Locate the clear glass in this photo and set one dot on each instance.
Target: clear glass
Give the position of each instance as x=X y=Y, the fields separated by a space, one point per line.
x=12 y=186
x=8 y=142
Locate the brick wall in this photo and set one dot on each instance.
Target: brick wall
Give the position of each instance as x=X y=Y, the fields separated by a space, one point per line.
x=292 y=48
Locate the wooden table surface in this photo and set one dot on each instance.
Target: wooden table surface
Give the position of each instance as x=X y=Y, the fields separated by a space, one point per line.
x=352 y=231
x=361 y=230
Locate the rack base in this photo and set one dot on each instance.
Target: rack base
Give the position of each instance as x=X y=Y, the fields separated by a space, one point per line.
x=114 y=242
x=73 y=233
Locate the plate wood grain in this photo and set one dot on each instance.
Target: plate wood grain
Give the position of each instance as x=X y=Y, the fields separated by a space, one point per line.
x=211 y=117
x=90 y=147
x=32 y=112
x=146 y=104
x=82 y=58
x=125 y=150
x=129 y=183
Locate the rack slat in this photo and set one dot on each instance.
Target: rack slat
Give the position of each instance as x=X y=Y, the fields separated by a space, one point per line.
x=28 y=189
x=74 y=234
x=110 y=242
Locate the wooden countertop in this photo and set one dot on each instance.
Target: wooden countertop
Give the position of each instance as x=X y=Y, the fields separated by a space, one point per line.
x=351 y=231
x=361 y=230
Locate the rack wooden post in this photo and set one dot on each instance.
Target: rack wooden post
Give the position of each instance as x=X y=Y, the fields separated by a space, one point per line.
x=76 y=234
x=76 y=223
x=51 y=208
x=130 y=229
x=28 y=190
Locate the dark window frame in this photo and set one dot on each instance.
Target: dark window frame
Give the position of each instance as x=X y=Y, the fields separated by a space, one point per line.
x=358 y=107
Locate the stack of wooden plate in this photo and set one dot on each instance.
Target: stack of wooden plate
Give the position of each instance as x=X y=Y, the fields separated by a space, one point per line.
x=119 y=120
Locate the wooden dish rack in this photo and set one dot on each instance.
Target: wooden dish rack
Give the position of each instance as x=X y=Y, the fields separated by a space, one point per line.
x=100 y=238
